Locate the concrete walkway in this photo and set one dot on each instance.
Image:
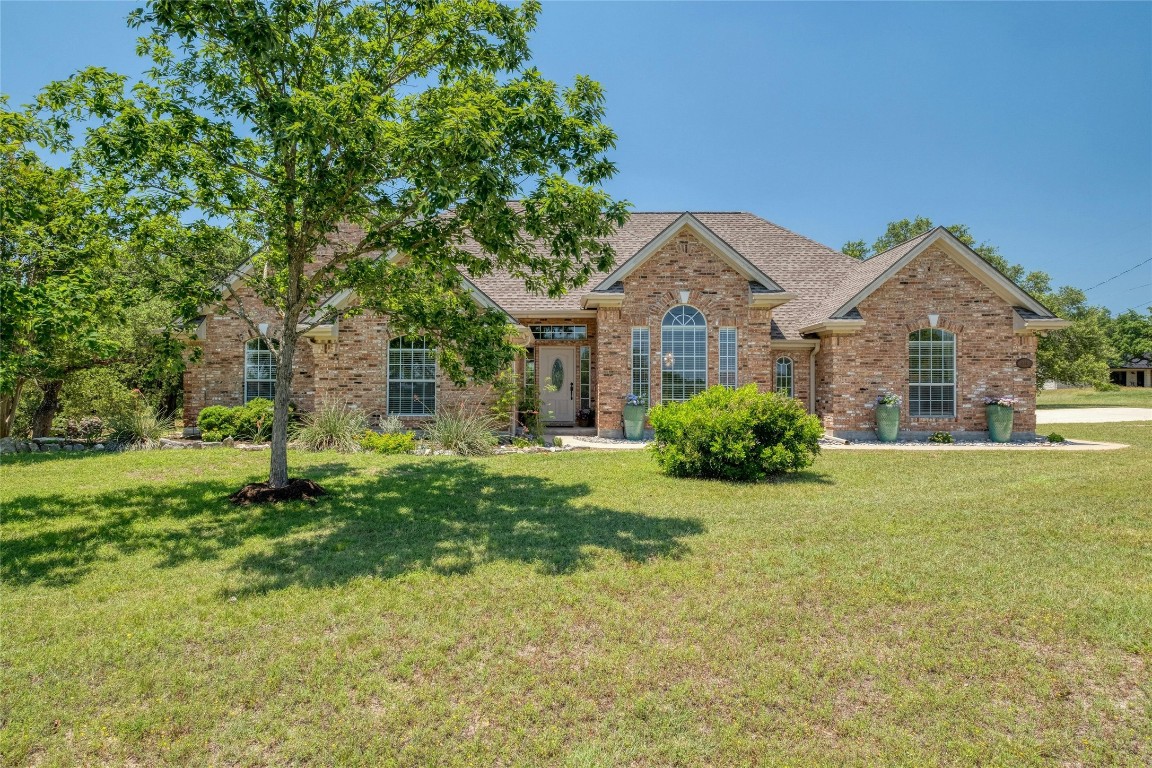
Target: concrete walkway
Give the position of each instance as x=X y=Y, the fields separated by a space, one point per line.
x=1091 y=415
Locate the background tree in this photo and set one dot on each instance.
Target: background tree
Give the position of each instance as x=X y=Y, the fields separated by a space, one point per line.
x=414 y=123
x=1078 y=354
x=1131 y=335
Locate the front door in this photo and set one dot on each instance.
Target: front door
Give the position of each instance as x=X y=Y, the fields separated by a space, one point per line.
x=556 y=368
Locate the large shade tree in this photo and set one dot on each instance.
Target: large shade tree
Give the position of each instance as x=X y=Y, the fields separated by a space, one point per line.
x=1075 y=355
x=387 y=134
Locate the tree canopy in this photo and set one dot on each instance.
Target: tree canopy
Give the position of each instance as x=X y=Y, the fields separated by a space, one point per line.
x=385 y=134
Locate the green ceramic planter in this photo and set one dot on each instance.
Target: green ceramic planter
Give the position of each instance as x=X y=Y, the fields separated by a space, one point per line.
x=999 y=423
x=887 y=422
x=634 y=418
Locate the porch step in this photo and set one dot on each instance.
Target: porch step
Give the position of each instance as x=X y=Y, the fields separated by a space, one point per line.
x=570 y=431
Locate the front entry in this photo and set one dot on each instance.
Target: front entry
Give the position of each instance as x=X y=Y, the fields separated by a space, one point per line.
x=556 y=369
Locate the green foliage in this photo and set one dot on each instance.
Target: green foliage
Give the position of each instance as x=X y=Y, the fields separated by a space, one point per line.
x=1131 y=335
x=87 y=428
x=141 y=427
x=737 y=434
x=387 y=442
x=1106 y=386
x=1055 y=437
x=463 y=431
x=252 y=421
x=332 y=427
x=941 y=438
x=390 y=425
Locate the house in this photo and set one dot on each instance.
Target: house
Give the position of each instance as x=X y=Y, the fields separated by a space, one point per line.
x=697 y=299
x=1136 y=372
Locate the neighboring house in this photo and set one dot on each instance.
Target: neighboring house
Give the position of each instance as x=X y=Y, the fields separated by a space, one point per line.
x=697 y=299
x=1136 y=372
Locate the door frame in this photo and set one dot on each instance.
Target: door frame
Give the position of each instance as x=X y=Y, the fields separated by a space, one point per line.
x=571 y=363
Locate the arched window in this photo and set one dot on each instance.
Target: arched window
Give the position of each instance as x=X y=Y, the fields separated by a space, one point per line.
x=785 y=381
x=683 y=354
x=411 y=377
x=931 y=373
x=259 y=370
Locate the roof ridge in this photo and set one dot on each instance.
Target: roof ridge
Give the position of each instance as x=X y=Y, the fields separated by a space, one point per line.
x=902 y=242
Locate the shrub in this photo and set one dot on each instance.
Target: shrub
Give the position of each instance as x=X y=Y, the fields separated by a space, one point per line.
x=391 y=425
x=1106 y=386
x=252 y=421
x=141 y=427
x=388 y=442
x=332 y=427
x=468 y=433
x=739 y=434
x=1055 y=437
x=87 y=428
x=941 y=438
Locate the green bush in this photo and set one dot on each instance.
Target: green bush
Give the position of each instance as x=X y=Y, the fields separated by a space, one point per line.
x=942 y=438
x=252 y=421
x=332 y=427
x=468 y=433
x=1106 y=386
x=1056 y=437
x=388 y=442
x=740 y=434
x=141 y=428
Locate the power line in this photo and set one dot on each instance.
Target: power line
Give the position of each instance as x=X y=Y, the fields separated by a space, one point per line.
x=1119 y=275
x=1139 y=287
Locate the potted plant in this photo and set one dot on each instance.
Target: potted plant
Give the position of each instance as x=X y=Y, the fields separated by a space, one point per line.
x=999 y=413
x=635 y=414
x=584 y=417
x=888 y=416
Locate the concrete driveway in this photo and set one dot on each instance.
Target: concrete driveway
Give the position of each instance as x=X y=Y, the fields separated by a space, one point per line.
x=1091 y=415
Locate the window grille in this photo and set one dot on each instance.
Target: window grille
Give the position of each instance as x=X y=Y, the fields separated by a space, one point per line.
x=259 y=370
x=931 y=373
x=683 y=354
x=411 y=377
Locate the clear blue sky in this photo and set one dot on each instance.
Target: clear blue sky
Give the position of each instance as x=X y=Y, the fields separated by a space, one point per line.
x=1030 y=122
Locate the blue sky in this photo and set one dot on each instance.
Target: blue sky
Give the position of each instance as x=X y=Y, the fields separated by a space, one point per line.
x=1029 y=122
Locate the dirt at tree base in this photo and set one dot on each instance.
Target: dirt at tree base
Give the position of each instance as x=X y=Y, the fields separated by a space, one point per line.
x=261 y=493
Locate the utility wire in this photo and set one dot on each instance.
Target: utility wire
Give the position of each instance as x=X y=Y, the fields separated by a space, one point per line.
x=1119 y=275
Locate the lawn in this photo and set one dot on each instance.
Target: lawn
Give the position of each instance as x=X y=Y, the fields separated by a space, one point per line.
x=1129 y=397
x=580 y=609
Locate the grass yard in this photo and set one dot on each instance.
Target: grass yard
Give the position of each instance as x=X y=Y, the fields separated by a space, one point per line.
x=581 y=610
x=1125 y=397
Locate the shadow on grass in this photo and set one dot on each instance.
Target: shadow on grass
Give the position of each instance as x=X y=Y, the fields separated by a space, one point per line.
x=443 y=516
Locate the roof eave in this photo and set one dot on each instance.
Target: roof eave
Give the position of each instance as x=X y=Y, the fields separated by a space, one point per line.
x=833 y=327
x=770 y=300
x=1038 y=325
x=598 y=299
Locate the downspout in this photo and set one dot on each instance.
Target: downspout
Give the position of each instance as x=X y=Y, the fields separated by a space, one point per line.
x=812 y=378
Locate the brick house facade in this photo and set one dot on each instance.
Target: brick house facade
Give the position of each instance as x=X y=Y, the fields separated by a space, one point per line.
x=700 y=299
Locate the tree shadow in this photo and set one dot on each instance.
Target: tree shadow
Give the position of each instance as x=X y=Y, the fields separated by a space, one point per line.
x=444 y=516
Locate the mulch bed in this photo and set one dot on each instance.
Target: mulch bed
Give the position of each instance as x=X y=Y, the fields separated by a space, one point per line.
x=261 y=493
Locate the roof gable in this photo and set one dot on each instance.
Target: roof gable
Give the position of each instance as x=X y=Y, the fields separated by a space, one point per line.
x=717 y=244
x=892 y=261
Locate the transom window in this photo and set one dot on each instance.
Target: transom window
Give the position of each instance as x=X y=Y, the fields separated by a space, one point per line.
x=785 y=378
x=411 y=376
x=259 y=370
x=641 y=348
x=683 y=354
x=559 y=332
x=728 y=357
x=931 y=373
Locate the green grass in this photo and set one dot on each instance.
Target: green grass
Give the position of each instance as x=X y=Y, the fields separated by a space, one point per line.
x=979 y=608
x=1128 y=397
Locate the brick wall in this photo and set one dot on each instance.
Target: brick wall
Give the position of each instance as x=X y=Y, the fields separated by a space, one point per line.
x=853 y=369
x=717 y=290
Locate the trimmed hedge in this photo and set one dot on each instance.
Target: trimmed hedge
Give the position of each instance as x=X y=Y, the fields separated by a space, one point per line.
x=735 y=434
x=388 y=442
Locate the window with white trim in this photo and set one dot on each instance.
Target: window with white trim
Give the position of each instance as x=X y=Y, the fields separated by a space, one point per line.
x=259 y=370
x=411 y=376
x=586 y=377
x=785 y=377
x=728 y=357
x=641 y=349
x=931 y=373
x=683 y=354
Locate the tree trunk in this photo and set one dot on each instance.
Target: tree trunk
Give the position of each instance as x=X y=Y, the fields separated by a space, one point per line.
x=278 y=472
x=46 y=411
x=8 y=403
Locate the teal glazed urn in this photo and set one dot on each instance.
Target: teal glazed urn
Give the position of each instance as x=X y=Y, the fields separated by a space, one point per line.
x=887 y=422
x=999 y=423
x=634 y=418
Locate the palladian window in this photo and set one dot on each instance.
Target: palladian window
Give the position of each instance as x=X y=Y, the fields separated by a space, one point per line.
x=259 y=370
x=411 y=377
x=931 y=373
x=683 y=354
